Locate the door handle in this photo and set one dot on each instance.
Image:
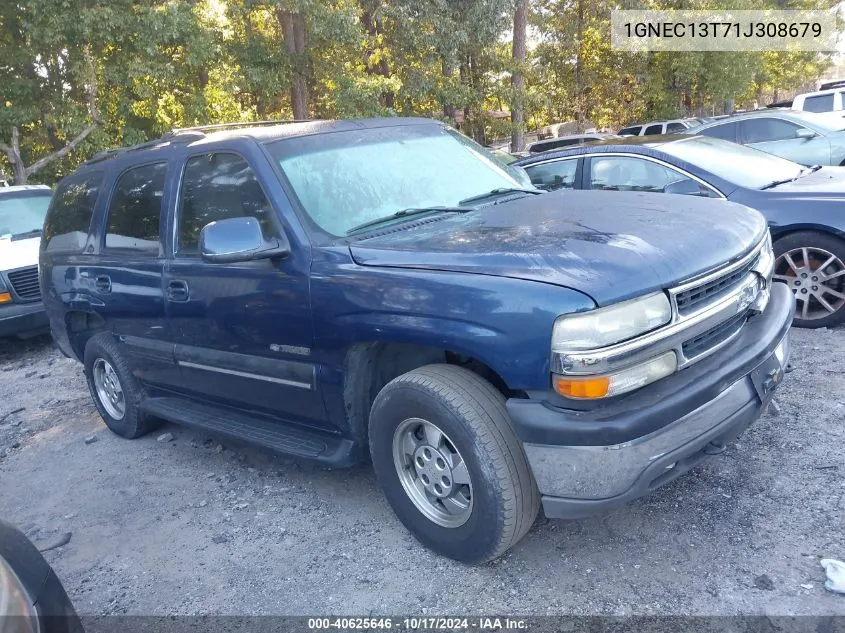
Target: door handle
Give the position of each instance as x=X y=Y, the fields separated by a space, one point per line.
x=103 y=283
x=177 y=290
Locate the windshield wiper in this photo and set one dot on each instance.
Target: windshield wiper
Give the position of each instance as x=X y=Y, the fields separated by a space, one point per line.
x=804 y=172
x=499 y=192
x=406 y=213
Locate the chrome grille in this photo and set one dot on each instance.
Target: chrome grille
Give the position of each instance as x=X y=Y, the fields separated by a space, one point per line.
x=715 y=336
x=690 y=300
x=25 y=283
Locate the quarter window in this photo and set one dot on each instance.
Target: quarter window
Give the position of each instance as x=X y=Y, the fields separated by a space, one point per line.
x=217 y=187
x=675 y=127
x=135 y=210
x=69 y=216
x=555 y=175
x=763 y=130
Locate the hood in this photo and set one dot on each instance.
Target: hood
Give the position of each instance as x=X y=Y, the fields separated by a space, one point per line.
x=609 y=245
x=826 y=182
x=18 y=253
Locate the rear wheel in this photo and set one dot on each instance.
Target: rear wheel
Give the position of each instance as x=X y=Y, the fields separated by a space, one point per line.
x=812 y=264
x=450 y=463
x=116 y=392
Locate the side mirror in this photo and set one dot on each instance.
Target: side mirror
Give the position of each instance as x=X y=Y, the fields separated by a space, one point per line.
x=239 y=240
x=687 y=187
x=804 y=133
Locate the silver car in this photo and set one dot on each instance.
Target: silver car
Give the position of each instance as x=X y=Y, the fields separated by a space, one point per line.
x=807 y=138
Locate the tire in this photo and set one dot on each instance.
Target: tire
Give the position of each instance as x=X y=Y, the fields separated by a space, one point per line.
x=470 y=412
x=102 y=353
x=812 y=264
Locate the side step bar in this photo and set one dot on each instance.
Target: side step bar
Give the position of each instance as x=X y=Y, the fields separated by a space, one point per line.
x=276 y=436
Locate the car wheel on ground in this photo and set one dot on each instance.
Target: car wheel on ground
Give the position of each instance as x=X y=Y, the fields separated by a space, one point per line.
x=812 y=264
x=450 y=463
x=115 y=390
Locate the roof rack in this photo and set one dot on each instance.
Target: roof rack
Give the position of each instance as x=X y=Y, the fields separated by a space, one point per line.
x=839 y=83
x=183 y=135
x=226 y=126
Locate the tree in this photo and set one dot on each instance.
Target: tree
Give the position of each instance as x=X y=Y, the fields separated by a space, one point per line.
x=520 y=26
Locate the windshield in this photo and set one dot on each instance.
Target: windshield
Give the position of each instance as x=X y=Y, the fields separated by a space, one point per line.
x=743 y=166
x=345 y=179
x=23 y=212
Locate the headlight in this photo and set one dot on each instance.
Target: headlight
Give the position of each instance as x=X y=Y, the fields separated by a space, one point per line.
x=588 y=387
x=15 y=606
x=613 y=324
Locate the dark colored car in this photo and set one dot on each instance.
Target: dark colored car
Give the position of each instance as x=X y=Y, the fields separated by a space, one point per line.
x=566 y=141
x=22 y=210
x=807 y=138
x=32 y=599
x=385 y=289
x=805 y=206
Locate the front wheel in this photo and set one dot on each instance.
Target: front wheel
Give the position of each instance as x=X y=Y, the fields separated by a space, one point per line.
x=450 y=464
x=812 y=264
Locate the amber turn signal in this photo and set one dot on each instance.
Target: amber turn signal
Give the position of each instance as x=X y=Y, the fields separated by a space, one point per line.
x=5 y=297
x=592 y=387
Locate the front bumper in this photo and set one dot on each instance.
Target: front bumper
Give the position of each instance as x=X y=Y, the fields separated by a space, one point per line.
x=23 y=319
x=585 y=462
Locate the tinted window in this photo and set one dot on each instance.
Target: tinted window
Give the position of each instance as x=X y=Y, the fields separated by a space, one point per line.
x=765 y=129
x=69 y=216
x=634 y=130
x=819 y=103
x=556 y=175
x=135 y=209
x=653 y=129
x=726 y=131
x=675 y=127
x=621 y=173
x=217 y=187
x=547 y=145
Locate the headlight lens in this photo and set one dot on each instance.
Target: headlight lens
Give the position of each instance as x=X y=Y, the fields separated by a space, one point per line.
x=606 y=326
x=15 y=606
x=589 y=387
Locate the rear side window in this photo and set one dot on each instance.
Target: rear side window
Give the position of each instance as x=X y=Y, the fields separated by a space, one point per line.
x=135 y=209
x=69 y=216
x=726 y=131
x=216 y=187
x=819 y=103
x=653 y=129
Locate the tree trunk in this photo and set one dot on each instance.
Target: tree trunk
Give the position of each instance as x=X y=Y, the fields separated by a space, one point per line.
x=579 y=106
x=517 y=77
x=293 y=33
x=13 y=153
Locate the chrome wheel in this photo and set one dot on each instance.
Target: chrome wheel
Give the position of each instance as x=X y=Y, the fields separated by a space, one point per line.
x=816 y=278
x=432 y=472
x=109 y=390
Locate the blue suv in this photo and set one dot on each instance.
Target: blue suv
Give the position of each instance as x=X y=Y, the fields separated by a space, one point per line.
x=387 y=290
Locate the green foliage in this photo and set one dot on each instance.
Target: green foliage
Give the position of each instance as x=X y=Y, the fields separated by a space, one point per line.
x=104 y=73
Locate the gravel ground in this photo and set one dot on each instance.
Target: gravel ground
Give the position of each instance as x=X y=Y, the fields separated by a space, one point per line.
x=182 y=524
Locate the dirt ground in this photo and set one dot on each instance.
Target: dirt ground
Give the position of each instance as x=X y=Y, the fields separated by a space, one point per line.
x=191 y=526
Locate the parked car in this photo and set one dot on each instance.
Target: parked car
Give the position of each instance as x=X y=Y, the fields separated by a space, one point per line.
x=802 y=137
x=829 y=100
x=565 y=141
x=32 y=599
x=658 y=127
x=486 y=345
x=22 y=210
x=804 y=206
